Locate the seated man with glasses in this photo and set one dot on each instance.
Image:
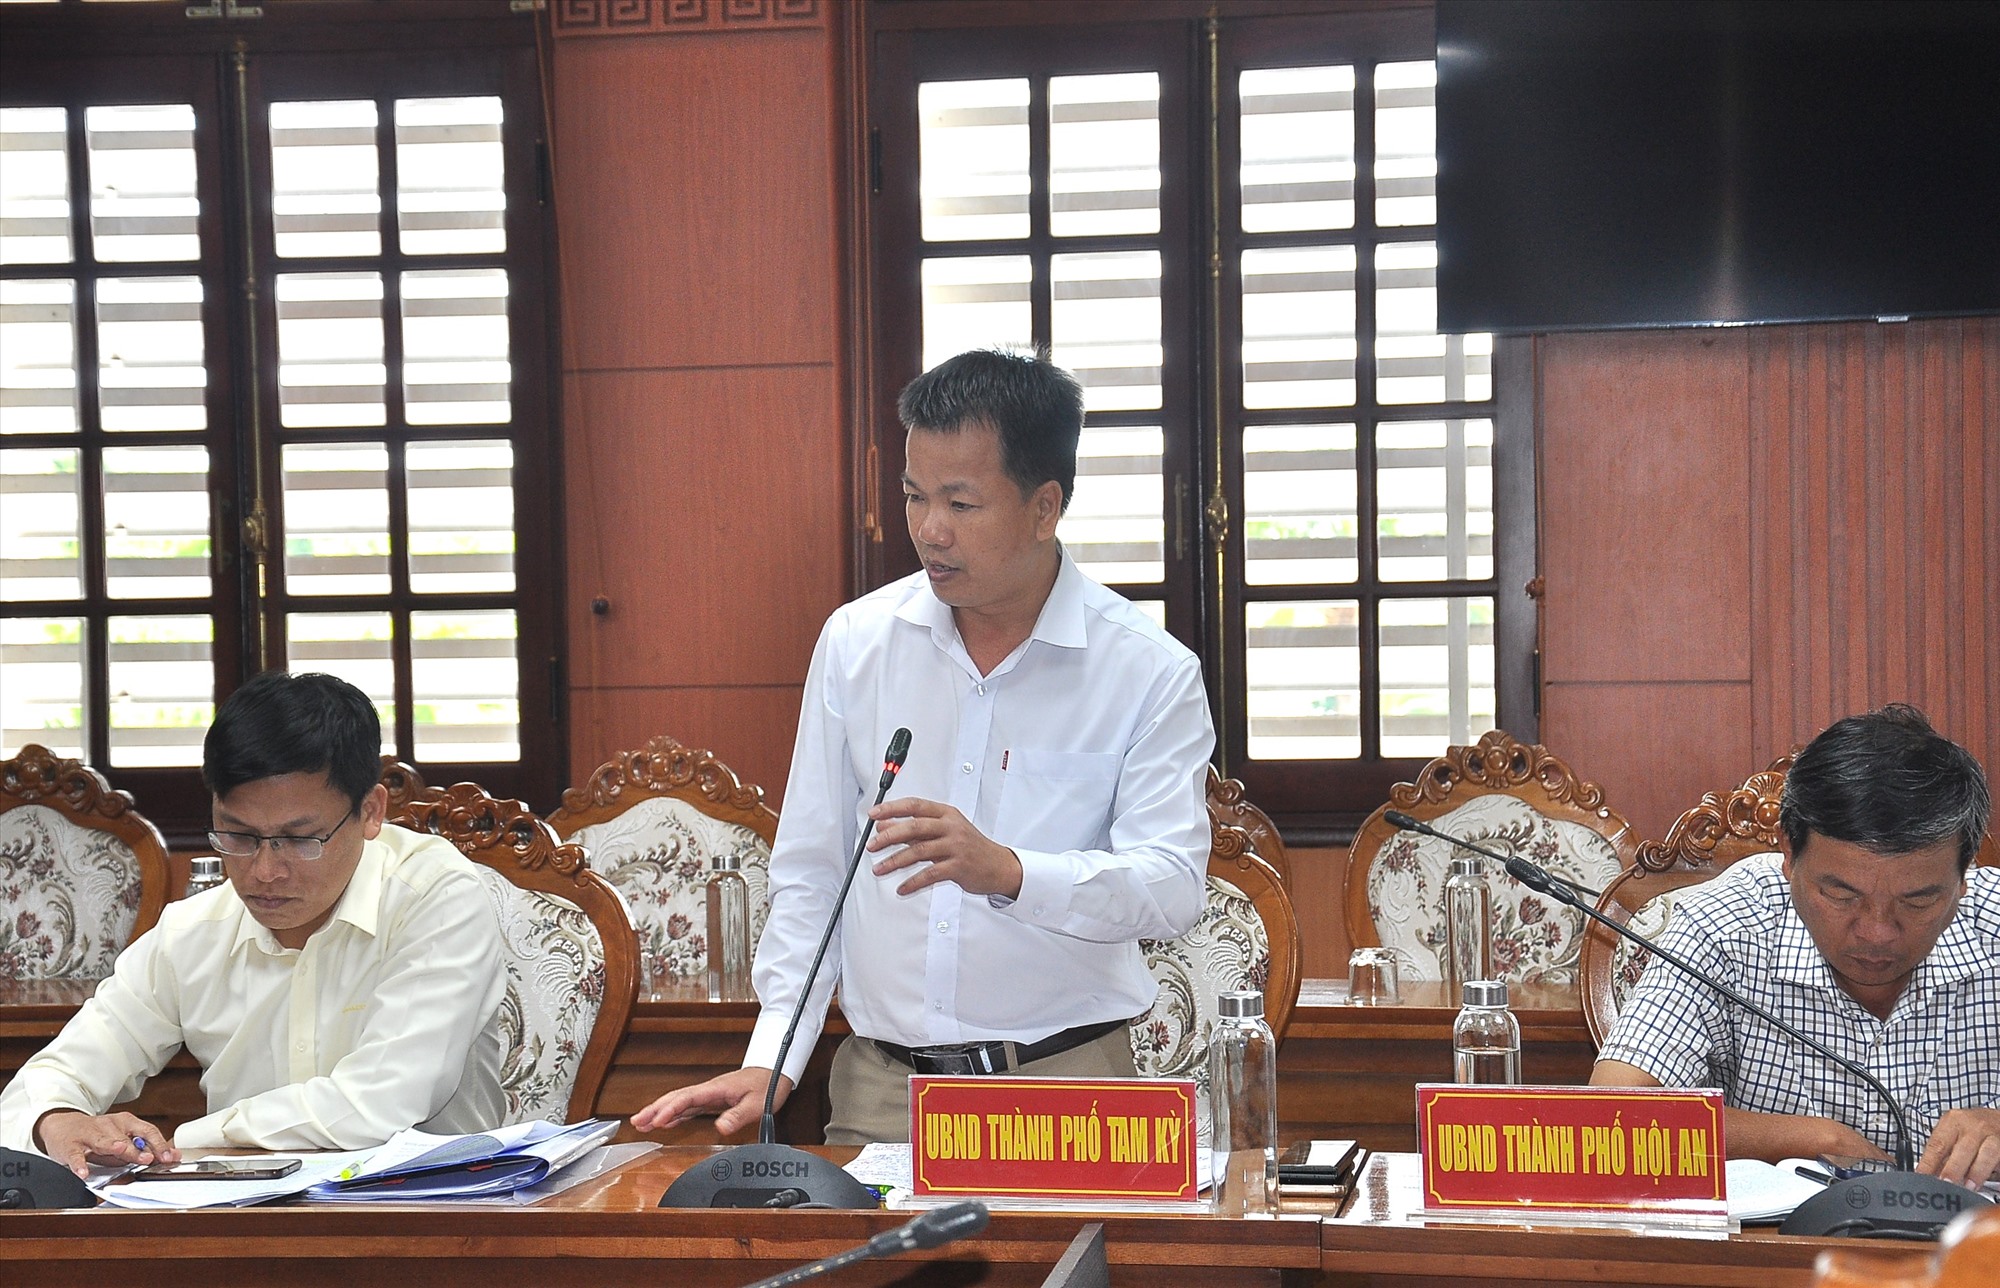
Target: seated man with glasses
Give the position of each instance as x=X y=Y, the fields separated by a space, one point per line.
x=344 y=984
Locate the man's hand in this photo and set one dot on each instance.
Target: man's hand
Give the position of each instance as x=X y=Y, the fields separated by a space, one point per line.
x=76 y=1140
x=1965 y=1147
x=737 y=1100
x=944 y=838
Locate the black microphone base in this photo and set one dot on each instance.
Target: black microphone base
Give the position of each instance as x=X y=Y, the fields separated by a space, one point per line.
x=1883 y=1205
x=31 y=1181
x=751 y=1176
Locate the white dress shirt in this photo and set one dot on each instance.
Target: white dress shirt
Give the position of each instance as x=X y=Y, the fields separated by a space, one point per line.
x=388 y=1017
x=1084 y=751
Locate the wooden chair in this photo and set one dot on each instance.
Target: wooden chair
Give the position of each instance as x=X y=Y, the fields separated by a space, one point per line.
x=572 y=968
x=1724 y=828
x=1246 y=938
x=654 y=820
x=1506 y=796
x=1226 y=805
x=82 y=873
x=403 y=783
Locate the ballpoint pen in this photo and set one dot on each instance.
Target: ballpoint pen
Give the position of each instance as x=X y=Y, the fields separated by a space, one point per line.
x=1813 y=1175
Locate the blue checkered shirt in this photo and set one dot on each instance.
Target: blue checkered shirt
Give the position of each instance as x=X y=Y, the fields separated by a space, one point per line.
x=1939 y=1049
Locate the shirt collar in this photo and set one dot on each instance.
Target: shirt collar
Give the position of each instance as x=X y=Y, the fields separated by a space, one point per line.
x=360 y=905
x=1061 y=621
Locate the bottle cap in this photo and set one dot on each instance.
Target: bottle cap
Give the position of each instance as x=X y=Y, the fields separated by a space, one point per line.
x=1237 y=1006
x=1468 y=865
x=726 y=863
x=206 y=865
x=1485 y=992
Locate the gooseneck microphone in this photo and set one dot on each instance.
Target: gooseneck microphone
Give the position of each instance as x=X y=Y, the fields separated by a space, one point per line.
x=768 y=1174
x=933 y=1229
x=892 y=765
x=1894 y=1205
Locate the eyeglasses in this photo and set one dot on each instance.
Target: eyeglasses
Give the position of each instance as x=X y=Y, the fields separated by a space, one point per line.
x=239 y=845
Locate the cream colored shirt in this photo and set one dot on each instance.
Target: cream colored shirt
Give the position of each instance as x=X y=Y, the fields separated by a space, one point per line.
x=388 y=1018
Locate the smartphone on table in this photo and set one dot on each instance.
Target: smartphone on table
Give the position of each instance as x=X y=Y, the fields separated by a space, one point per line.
x=1845 y=1167
x=220 y=1169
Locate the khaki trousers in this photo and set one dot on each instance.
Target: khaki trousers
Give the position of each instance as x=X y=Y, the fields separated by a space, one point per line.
x=871 y=1091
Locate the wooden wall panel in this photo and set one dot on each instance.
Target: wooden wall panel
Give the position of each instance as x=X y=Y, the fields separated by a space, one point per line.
x=1318 y=894
x=1745 y=536
x=707 y=506
x=1654 y=748
x=1644 y=497
x=1875 y=548
x=750 y=728
x=697 y=198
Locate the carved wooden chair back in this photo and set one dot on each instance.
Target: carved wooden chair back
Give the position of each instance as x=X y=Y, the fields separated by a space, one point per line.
x=572 y=969
x=1508 y=796
x=1722 y=829
x=1226 y=805
x=82 y=873
x=1246 y=938
x=655 y=820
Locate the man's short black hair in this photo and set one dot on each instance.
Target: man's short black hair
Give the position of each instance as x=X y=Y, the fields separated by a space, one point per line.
x=280 y=723
x=1888 y=782
x=1035 y=406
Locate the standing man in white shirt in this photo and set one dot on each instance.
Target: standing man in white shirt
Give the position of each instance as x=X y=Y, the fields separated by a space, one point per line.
x=1052 y=811
x=343 y=985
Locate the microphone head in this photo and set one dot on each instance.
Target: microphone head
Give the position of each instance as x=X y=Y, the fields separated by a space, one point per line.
x=942 y=1225
x=899 y=751
x=1398 y=819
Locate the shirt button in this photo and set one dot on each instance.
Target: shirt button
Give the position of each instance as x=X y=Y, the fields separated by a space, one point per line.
x=1038 y=910
x=982 y=690
x=966 y=768
x=301 y=1046
x=943 y=926
x=937 y=1006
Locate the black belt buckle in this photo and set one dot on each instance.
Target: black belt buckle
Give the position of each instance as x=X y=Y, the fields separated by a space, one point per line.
x=976 y=1058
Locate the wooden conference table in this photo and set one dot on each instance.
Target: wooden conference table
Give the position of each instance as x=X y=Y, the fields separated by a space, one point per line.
x=609 y=1232
x=1343 y=1072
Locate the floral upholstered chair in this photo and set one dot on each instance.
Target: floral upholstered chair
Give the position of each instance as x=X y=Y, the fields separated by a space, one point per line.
x=82 y=873
x=569 y=956
x=1246 y=938
x=1507 y=796
x=654 y=820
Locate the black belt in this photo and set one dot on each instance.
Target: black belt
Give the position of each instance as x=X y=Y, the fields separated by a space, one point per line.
x=993 y=1057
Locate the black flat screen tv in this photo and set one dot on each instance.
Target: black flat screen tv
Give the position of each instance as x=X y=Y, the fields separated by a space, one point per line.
x=1641 y=163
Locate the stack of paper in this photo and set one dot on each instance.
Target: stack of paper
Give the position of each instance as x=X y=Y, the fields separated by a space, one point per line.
x=417 y=1165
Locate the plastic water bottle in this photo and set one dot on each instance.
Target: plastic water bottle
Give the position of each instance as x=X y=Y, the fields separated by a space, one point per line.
x=1243 y=1102
x=1486 y=1040
x=1468 y=924
x=728 y=931
x=204 y=873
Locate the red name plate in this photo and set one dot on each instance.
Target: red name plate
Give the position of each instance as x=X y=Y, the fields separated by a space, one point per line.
x=1572 y=1148
x=1067 y=1138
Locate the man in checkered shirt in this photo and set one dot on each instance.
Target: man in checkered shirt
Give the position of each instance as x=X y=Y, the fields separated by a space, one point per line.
x=1873 y=933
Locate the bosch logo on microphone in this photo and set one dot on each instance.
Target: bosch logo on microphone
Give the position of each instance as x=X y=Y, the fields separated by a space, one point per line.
x=1926 y=1199
x=719 y=1169
x=784 y=1168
